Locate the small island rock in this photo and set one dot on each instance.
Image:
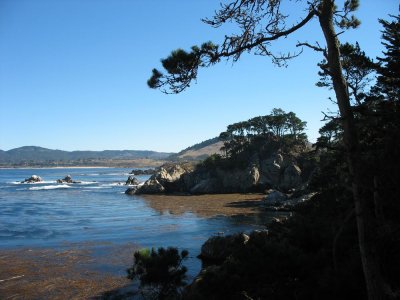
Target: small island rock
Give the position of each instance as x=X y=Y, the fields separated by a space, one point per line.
x=143 y=172
x=131 y=191
x=32 y=179
x=67 y=179
x=132 y=181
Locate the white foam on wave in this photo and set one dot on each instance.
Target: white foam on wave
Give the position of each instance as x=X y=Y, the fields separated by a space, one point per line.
x=86 y=182
x=117 y=174
x=98 y=187
x=140 y=184
x=113 y=184
x=39 y=182
x=49 y=187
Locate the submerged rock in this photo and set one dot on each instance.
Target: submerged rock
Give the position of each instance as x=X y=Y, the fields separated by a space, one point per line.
x=131 y=190
x=32 y=179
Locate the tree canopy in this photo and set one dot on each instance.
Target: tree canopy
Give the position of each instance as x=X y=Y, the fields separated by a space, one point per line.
x=259 y=130
x=260 y=23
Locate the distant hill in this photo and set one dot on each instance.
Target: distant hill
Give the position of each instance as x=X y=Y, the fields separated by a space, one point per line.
x=199 y=151
x=37 y=155
x=33 y=156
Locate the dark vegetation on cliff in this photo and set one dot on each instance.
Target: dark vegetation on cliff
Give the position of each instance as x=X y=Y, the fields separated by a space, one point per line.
x=315 y=254
x=263 y=153
x=344 y=243
x=263 y=136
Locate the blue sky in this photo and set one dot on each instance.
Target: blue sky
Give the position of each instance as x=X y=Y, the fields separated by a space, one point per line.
x=73 y=74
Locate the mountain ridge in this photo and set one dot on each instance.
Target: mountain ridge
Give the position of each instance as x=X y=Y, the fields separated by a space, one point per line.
x=41 y=154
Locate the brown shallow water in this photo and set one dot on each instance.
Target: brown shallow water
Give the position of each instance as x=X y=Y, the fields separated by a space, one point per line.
x=62 y=274
x=206 y=206
x=80 y=271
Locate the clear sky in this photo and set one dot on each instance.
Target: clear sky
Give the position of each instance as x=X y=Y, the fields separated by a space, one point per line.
x=73 y=74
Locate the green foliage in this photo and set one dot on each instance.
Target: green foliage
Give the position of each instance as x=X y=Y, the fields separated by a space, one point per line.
x=315 y=253
x=389 y=65
x=259 y=23
x=182 y=67
x=312 y=255
x=357 y=68
x=279 y=128
x=262 y=136
x=160 y=272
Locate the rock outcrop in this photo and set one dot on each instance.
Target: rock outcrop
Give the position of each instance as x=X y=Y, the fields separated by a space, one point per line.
x=278 y=201
x=274 y=172
x=67 y=179
x=206 y=186
x=271 y=169
x=166 y=180
x=132 y=181
x=131 y=190
x=143 y=172
x=32 y=179
x=291 y=177
x=151 y=186
x=275 y=197
x=218 y=248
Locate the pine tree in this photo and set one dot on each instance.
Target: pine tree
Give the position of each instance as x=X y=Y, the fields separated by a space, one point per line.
x=389 y=65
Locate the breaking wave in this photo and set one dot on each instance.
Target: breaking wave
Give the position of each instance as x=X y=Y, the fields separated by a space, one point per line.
x=49 y=187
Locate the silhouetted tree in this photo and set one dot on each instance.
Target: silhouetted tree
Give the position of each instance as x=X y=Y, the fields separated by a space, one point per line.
x=389 y=65
x=257 y=131
x=357 y=69
x=160 y=272
x=262 y=22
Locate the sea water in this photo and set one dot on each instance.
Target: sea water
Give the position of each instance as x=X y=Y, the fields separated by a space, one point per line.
x=96 y=210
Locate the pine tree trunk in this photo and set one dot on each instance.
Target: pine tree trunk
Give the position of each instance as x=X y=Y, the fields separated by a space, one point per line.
x=364 y=216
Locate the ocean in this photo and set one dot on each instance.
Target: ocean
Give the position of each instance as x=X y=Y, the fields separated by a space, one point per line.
x=97 y=212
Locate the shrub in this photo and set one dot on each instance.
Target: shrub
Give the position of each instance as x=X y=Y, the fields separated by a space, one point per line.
x=161 y=273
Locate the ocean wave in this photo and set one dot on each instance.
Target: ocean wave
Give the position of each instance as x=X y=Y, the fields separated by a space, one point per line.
x=86 y=182
x=98 y=187
x=40 y=182
x=49 y=187
x=117 y=174
x=113 y=184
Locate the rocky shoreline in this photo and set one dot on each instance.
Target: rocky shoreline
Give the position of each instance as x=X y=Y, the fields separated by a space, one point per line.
x=279 y=177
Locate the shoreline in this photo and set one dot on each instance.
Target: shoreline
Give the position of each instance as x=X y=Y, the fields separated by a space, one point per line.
x=69 y=167
x=86 y=270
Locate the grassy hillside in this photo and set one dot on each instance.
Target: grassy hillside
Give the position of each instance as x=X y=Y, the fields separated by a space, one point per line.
x=199 y=151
